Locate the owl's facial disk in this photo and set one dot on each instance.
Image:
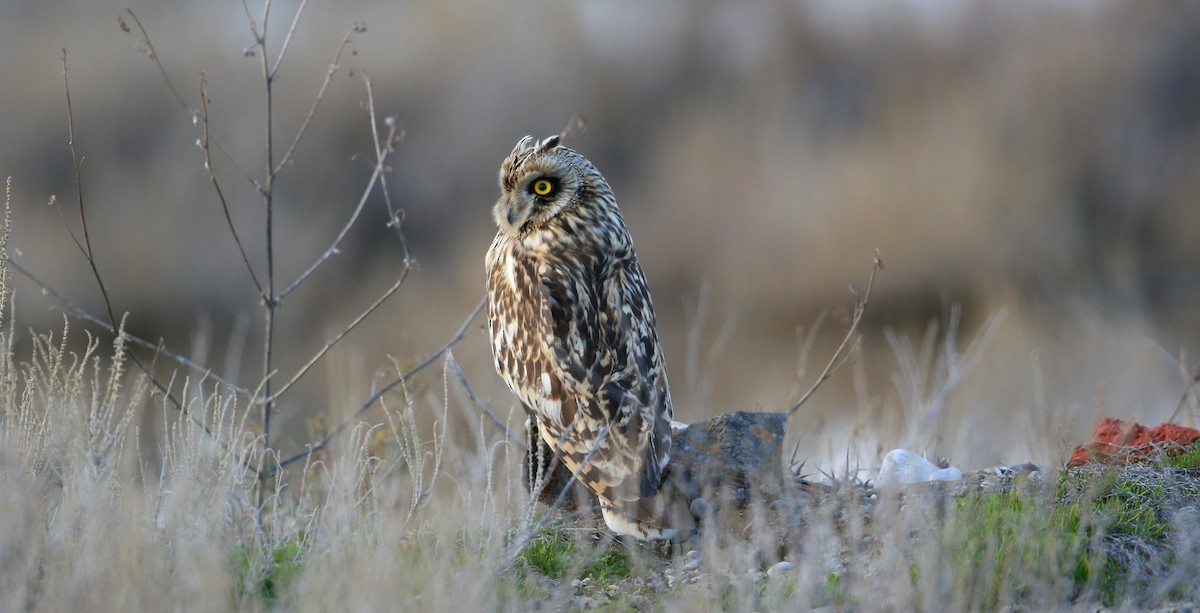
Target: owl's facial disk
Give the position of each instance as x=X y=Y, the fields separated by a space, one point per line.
x=541 y=192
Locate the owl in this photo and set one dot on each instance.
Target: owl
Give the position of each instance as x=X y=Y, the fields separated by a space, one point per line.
x=573 y=331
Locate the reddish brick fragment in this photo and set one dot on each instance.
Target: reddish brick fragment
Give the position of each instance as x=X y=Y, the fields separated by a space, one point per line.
x=1118 y=441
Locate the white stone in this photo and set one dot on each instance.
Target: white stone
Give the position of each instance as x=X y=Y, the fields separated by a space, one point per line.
x=946 y=474
x=779 y=568
x=901 y=466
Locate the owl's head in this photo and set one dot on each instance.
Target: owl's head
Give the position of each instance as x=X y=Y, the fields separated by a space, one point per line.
x=539 y=180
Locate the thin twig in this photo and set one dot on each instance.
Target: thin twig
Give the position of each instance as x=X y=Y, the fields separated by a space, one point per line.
x=329 y=345
x=321 y=444
x=250 y=20
x=380 y=157
x=1187 y=392
x=288 y=39
x=462 y=378
x=835 y=362
x=395 y=137
x=153 y=55
x=208 y=166
x=263 y=33
x=333 y=68
x=86 y=249
x=78 y=311
x=66 y=224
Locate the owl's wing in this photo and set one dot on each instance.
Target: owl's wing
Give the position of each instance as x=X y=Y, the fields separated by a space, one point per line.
x=601 y=328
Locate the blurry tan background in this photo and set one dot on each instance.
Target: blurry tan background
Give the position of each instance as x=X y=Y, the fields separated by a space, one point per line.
x=1036 y=161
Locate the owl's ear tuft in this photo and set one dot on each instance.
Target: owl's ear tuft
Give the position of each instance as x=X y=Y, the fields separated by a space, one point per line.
x=548 y=143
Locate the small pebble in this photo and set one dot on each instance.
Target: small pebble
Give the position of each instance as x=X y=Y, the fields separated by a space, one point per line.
x=576 y=584
x=693 y=565
x=693 y=554
x=780 y=568
x=668 y=572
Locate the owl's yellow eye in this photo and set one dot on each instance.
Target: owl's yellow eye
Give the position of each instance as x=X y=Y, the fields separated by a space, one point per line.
x=543 y=187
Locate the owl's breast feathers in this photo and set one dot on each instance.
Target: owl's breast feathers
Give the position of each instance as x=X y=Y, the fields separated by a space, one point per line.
x=573 y=333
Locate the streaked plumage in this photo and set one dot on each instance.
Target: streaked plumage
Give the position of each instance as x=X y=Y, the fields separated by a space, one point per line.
x=573 y=330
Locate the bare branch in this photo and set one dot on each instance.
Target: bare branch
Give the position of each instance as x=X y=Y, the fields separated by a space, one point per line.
x=462 y=378
x=395 y=137
x=262 y=35
x=381 y=155
x=259 y=35
x=78 y=311
x=320 y=354
x=321 y=444
x=88 y=254
x=153 y=55
x=333 y=68
x=86 y=248
x=288 y=39
x=66 y=224
x=250 y=20
x=838 y=358
x=208 y=166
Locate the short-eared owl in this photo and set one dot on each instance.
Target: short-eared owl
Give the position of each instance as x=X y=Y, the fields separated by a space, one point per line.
x=573 y=331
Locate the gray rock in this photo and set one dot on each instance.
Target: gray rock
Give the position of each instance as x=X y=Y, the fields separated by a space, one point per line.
x=734 y=453
x=692 y=565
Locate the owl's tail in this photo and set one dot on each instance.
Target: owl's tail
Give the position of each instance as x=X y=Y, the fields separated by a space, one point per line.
x=663 y=514
x=666 y=515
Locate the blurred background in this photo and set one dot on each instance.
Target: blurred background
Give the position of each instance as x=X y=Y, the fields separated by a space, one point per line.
x=1037 y=165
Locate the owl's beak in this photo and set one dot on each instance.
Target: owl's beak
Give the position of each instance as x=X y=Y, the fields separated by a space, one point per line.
x=510 y=214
